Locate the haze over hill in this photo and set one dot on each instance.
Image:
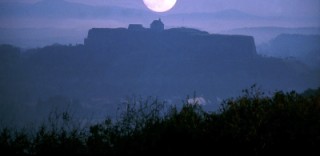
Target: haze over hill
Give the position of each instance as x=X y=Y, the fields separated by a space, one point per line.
x=265 y=34
x=118 y=62
x=305 y=48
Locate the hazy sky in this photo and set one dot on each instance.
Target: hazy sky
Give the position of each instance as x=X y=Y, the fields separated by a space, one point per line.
x=266 y=8
x=209 y=15
x=259 y=7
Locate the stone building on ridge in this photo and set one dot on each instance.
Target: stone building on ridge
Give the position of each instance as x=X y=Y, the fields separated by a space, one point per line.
x=157 y=25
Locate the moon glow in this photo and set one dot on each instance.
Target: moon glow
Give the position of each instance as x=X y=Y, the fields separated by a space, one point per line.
x=160 y=5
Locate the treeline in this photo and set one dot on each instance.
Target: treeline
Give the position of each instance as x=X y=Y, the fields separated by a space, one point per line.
x=252 y=124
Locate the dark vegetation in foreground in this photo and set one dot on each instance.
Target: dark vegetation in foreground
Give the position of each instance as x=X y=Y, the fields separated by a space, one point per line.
x=253 y=124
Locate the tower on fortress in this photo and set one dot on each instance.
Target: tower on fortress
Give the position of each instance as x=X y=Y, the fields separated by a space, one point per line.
x=157 y=25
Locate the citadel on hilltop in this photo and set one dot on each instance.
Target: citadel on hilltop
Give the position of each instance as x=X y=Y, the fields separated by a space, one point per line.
x=156 y=25
x=156 y=39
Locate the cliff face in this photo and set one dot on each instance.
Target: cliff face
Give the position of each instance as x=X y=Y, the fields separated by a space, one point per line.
x=178 y=41
x=174 y=61
x=181 y=60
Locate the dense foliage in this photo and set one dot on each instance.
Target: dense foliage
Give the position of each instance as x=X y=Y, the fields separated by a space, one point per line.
x=252 y=124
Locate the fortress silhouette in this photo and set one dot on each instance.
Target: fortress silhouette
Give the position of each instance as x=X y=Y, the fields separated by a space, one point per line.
x=174 y=40
x=156 y=25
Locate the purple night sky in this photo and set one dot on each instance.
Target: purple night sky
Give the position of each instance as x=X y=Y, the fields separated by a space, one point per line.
x=215 y=16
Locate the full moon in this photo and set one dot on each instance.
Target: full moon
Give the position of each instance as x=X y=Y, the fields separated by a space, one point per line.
x=160 y=5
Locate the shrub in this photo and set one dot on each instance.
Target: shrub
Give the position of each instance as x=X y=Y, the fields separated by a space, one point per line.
x=252 y=124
